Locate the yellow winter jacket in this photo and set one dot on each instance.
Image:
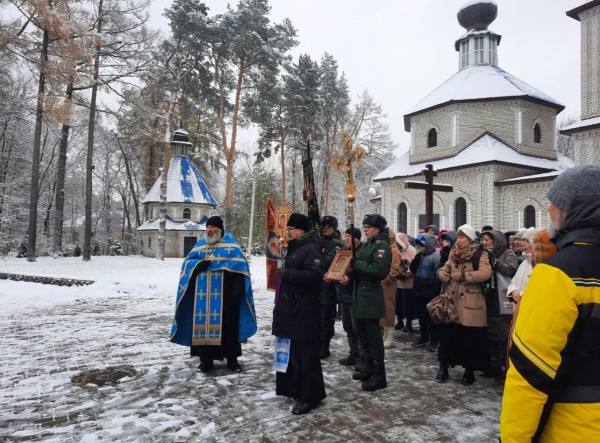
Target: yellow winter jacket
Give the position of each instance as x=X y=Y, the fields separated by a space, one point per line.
x=552 y=390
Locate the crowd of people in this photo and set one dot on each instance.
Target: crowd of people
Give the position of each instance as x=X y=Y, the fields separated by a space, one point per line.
x=525 y=307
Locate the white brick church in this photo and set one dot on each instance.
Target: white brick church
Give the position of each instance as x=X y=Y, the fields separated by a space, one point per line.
x=491 y=136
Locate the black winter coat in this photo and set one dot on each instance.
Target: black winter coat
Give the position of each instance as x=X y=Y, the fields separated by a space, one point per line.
x=297 y=312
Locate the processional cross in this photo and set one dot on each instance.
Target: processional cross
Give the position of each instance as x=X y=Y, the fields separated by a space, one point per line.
x=429 y=188
x=345 y=162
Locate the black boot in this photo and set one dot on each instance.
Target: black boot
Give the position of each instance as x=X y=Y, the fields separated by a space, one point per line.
x=442 y=374
x=348 y=361
x=233 y=365
x=206 y=365
x=468 y=377
x=364 y=373
x=324 y=353
x=378 y=380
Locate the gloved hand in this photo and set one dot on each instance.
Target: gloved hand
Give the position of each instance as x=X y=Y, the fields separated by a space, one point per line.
x=203 y=265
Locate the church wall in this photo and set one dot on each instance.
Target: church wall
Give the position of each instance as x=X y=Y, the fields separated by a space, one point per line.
x=590 y=74
x=475 y=118
x=173 y=244
x=587 y=146
x=500 y=206
x=515 y=198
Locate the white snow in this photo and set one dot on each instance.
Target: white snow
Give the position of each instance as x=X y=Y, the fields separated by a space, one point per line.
x=49 y=334
x=483 y=150
x=581 y=124
x=478 y=82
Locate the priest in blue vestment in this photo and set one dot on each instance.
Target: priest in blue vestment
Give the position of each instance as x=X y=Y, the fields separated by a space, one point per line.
x=214 y=311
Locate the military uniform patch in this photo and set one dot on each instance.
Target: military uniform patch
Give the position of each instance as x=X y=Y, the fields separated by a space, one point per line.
x=380 y=253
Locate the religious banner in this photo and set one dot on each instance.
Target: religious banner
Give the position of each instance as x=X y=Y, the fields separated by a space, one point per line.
x=276 y=224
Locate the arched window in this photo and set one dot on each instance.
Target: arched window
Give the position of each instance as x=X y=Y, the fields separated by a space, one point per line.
x=432 y=138
x=529 y=213
x=460 y=212
x=402 y=218
x=537 y=133
x=187 y=213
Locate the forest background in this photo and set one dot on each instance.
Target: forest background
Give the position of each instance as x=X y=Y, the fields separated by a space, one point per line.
x=71 y=164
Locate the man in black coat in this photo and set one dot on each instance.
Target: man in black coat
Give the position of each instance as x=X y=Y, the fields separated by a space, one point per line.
x=297 y=316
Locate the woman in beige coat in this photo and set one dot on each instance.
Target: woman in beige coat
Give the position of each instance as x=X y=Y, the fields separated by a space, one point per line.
x=389 y=294
x=465 y=343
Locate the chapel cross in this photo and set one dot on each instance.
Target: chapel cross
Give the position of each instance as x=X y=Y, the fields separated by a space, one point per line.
x=429 y=188
x=345 y=161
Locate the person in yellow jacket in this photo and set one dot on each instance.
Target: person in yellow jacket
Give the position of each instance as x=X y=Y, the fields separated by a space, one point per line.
x=552 y=390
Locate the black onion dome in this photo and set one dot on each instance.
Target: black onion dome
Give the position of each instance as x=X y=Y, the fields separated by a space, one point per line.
x=477 y=16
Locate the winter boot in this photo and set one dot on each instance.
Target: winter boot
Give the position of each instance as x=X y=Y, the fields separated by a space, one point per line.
x=399 y=326
x=348 y=361
x=377 y=380
x=324 y=353
x=388 y=338
x=468 y=377
x=206 y=365
x=442 y=374
x=365 y=372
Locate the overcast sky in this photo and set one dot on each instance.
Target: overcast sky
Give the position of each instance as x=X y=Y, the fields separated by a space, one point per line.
x=402 y=50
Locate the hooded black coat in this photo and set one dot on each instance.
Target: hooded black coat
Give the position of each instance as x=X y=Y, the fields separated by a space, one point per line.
x=297 y=312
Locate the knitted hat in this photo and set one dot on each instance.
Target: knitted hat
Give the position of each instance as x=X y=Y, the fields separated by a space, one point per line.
x=520 y=232
x=574 y=181
x=529 y=233
x=543 y=248
x=299 y=221
x=217 y=222
x=376 y=220
x=329 y=220
x=467 y=230
x=355 y=232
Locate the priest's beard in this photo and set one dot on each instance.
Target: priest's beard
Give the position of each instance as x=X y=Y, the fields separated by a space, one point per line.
x=553 y=228
x=211 y=239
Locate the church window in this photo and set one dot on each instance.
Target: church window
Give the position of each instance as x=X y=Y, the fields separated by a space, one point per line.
x=149 y=241
x=432 y=138
x=187 y=213
x=402 y=218
x=464 y=54
x=493 y=54
x=537 y=133
x=478 y=44
x=529 y=213
x=460 y=212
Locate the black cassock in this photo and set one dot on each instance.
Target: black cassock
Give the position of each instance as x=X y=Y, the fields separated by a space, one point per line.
x=303 y=380
x=233 y=291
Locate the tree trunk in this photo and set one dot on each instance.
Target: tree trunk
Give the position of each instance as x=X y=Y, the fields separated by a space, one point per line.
x=282 y=143
x=230 y=158
x=60 y=181
x=87 y=236
x=136 y=203
x=35 y=163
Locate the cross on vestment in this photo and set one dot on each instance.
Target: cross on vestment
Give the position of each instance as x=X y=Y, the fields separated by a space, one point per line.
x=345 y=162
x=429 y=188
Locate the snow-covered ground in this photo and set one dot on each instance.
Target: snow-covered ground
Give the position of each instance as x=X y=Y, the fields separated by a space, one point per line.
x=50 y=334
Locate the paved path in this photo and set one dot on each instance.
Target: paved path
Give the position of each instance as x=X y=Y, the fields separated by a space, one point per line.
x=170 y=401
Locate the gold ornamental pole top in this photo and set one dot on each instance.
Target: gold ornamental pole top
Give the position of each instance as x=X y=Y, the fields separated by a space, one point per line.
x=345 y=162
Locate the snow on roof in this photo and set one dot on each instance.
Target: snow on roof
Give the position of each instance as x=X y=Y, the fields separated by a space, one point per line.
x=172 y=225
x=581 y=125
x=479 y=82
x=184 y=184
x=545 y=175
x=483 y=150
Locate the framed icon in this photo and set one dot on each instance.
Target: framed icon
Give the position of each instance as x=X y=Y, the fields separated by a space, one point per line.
x=340 y=265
